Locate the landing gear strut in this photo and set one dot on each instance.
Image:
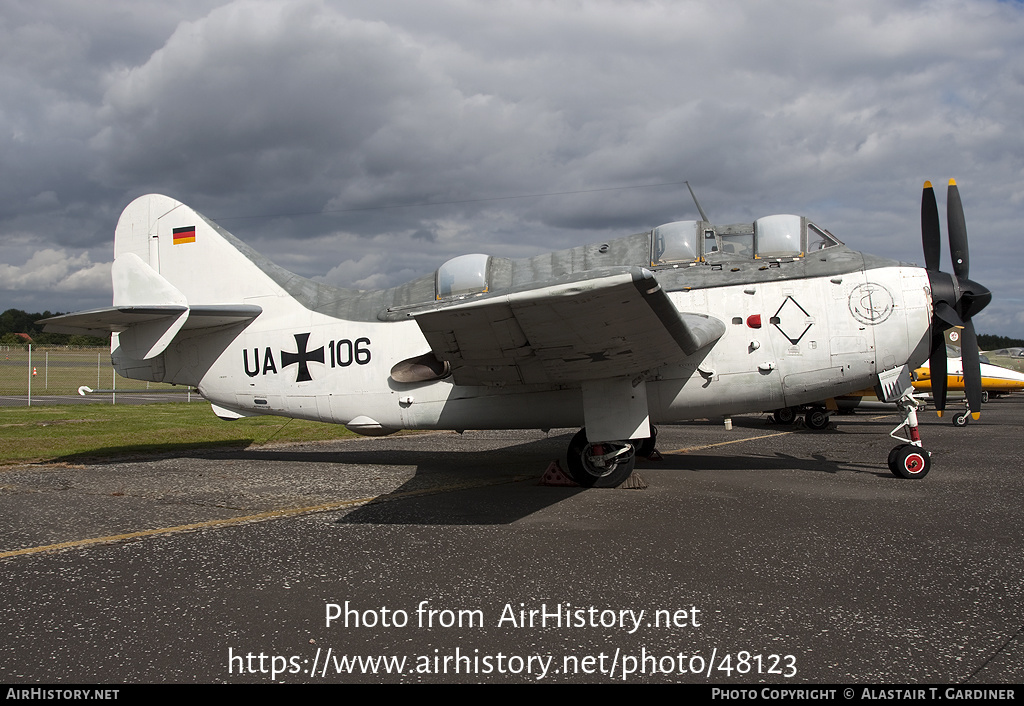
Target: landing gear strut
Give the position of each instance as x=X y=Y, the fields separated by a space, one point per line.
x=603 y=465
x=909 y=459
x=961 y=419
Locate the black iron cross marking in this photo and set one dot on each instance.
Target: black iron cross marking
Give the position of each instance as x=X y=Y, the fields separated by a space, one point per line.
x=302 y=357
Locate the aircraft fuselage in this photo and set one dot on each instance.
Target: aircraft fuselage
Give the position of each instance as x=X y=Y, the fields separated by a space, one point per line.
x=787 y=342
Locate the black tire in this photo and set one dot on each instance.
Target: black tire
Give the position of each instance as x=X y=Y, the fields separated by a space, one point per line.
x=960 y=420
x=910 y=462
x=984 y=396
x=816 y=419
x=590 y=475
x=892 y=457
x=786 y=415
x=645 y=447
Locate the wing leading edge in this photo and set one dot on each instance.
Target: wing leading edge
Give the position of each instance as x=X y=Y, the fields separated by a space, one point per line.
x=601 y=324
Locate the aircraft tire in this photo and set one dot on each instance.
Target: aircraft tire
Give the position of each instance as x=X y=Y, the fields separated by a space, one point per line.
x=892 y=457
x=960 y=420
x=645 y=447
x=816 y=419
x=909 y=461
x=786 y=415
x=587 y=474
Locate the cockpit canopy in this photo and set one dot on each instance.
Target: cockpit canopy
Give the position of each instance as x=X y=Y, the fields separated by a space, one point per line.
x=678 y=244
x=465 y=274
x=783 y=236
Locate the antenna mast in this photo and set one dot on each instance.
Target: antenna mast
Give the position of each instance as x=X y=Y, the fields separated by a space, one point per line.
x=703 y=216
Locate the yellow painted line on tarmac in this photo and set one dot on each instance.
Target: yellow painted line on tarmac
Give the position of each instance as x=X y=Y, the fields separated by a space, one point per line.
x=726 y=443
x=258 y=517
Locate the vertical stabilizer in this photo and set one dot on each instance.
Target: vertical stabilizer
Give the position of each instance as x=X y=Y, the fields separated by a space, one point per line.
x=163 y=247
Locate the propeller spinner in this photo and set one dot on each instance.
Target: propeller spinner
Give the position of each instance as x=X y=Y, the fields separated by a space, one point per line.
x=955 y=298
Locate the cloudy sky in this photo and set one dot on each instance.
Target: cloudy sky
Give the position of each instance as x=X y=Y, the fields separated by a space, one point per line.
x=363 y=143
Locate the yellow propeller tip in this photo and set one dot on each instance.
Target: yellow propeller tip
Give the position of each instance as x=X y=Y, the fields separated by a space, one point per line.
x=952 y=182
x=976 y=415
x=927 y=185
x=938 y=413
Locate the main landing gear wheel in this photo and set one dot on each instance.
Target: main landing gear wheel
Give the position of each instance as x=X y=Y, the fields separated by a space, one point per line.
x=909 y=461
x=786 y=415
x=645 y=447
x=603 y=465
x=816 y=419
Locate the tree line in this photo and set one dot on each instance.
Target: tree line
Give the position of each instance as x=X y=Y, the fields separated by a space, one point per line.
x=988 y=342
x=16 y=321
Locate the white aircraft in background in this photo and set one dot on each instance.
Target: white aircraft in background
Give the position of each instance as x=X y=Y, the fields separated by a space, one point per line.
x=685 y=321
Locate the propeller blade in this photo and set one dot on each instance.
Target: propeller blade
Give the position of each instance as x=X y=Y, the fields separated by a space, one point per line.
x=930 y=237
x=944 y=312
x=938 y=369
x=957 y=232
x=972 y=368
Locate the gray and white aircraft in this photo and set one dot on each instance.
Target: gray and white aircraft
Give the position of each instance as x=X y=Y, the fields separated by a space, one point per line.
x=687 y=320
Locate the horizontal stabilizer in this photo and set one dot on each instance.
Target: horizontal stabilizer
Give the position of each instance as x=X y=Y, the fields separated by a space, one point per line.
x=146 y=331
x=115 y=319
x=601 y=324
x=111 y=319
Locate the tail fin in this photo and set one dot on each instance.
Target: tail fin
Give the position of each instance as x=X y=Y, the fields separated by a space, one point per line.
x=195 y=257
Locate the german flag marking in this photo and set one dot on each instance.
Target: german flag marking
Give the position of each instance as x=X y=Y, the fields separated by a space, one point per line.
x=184 y=235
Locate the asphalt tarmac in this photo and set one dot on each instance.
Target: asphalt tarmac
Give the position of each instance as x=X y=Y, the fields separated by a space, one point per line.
x=757 y=554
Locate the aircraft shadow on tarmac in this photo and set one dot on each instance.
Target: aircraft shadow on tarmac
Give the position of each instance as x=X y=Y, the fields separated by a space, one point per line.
x=458 y=481
x=818 y=463
x=450 y=485
x=454 y=487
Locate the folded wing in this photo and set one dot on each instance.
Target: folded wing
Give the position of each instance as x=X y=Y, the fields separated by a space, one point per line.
x=601 y=324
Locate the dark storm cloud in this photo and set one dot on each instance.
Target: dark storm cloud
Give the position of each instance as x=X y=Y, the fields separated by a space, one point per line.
x=254 y=112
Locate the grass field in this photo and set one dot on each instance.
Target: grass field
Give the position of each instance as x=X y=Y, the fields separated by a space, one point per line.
x=79 y=433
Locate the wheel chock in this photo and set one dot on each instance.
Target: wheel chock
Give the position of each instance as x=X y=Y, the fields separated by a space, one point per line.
x=634 y=482
x=554 y=475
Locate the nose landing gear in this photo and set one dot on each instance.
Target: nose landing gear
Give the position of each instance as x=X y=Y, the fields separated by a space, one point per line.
x=909 y=459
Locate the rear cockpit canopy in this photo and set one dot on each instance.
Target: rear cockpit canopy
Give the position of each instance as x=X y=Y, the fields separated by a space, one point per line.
x=463 y=275
x=771 y=237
